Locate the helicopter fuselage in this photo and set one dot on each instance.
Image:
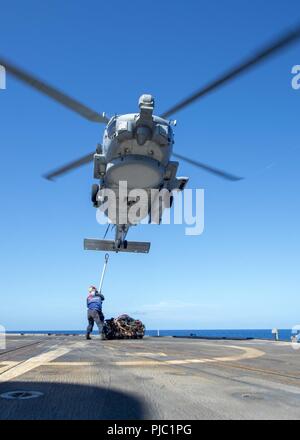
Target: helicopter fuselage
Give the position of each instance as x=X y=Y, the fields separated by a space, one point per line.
x=136 y=149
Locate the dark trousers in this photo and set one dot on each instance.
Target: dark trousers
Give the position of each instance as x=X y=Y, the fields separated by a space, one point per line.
x=95 y=316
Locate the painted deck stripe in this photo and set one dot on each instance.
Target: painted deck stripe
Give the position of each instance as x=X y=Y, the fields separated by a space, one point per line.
x=248 y=353
x=7 y=365
x=139 y=353
x=71 y=364
x=33 y=362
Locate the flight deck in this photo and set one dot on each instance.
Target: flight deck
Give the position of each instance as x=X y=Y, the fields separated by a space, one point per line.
x=67 y=377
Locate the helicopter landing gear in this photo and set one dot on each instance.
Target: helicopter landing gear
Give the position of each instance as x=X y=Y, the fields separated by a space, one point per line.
x=91 y=244
x=121 y=231
x=119 y=244
x=94 y=193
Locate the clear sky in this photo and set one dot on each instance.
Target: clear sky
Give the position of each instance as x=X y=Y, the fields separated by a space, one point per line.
x=243 y=271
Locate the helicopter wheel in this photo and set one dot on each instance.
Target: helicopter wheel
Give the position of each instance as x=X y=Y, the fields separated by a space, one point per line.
x=95 y=190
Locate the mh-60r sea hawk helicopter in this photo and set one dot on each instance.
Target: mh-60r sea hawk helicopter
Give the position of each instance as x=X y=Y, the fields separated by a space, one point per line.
x=137 y=148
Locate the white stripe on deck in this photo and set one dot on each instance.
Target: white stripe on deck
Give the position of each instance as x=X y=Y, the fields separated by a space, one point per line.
x=144 y=353
x=70 y=364
x=33 y=362
x=6 y=365
x=248 y=353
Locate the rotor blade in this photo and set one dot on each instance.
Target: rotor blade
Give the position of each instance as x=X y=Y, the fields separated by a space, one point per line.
x=53 y=93
x=261 y=55
x=70 y=166
x=208 y=168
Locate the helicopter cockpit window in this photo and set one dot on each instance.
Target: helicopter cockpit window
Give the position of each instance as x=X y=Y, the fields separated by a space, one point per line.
x=111 y=129
x=164 y=130
x=162 y=134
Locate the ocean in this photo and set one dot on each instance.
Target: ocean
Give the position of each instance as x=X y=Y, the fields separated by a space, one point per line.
x=284 y=334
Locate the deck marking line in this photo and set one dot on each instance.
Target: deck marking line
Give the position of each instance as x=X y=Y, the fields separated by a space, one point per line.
x=137 y=363
x=145 y=354
x=32 y=363
x=248 y=353
x=70 y=363
x=7 y=365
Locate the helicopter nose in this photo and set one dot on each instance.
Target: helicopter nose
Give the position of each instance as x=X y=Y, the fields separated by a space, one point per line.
x=143 y=133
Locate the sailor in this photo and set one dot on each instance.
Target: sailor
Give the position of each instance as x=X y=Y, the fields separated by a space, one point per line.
x=95 y=315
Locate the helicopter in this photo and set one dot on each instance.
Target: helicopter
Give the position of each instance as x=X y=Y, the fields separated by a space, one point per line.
x=137 y=147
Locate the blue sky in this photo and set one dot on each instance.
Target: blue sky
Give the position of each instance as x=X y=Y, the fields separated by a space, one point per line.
x=243 y=272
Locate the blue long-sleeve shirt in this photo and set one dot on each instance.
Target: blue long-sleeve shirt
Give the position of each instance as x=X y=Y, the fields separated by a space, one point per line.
x=94 y=301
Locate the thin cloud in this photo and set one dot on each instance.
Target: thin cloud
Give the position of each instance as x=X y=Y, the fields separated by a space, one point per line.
x=174 y=307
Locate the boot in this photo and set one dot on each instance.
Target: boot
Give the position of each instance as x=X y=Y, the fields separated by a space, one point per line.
x=102 y=337
x=87 y=336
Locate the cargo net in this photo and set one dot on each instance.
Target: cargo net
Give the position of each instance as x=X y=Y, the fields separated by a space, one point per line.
x=124 y=327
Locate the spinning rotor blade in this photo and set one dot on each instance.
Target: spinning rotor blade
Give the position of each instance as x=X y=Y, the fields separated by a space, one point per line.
x=53 y=93
x=267 y=52
x=89 y=158
x=209 y=169
x=70 y=166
